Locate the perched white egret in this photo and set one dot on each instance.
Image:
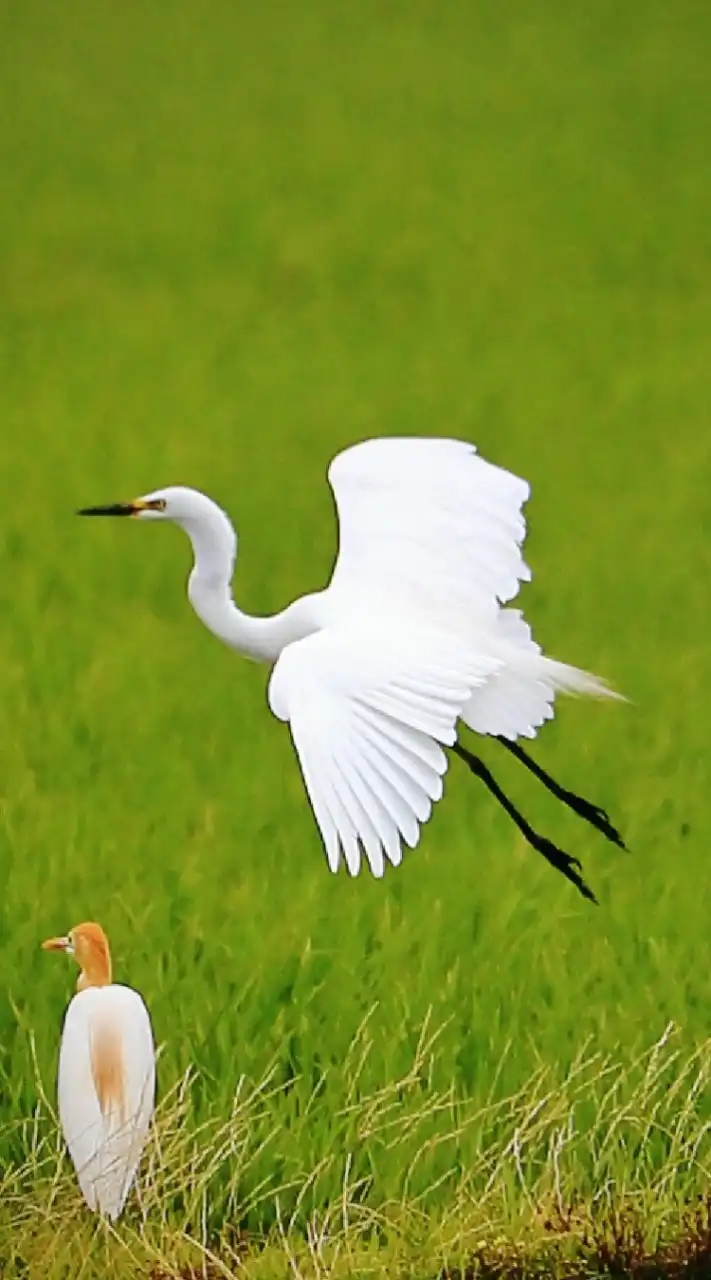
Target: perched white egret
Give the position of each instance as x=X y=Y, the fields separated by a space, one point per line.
x=410 y=636
x=106 y=1073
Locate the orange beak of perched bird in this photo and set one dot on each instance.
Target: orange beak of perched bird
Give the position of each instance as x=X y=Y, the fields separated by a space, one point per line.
x=58 y=944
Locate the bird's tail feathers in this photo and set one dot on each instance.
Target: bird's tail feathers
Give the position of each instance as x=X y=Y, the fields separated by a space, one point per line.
x=579 y=683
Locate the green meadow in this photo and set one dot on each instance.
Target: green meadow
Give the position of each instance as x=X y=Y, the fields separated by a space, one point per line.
x=235 y=238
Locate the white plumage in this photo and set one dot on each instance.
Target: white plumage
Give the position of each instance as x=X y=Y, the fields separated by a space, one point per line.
x=106 y=1144
x=429 y=527
x=106 y=1081
x=410 y=637
x=368 y=709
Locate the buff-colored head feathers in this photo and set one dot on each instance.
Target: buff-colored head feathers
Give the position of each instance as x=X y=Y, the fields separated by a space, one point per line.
x=89 y=945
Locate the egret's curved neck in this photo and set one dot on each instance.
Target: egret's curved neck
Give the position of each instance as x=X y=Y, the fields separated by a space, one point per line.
x=214 y=543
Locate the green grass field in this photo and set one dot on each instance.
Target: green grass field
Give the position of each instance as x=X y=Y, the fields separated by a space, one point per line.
x=234 y=239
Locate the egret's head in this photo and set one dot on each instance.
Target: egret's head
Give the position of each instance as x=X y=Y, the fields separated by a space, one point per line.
x=89 y=945
x=213 y=538
x=174 y=503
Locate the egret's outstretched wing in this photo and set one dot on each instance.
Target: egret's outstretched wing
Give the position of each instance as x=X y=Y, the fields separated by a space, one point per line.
x=427 y=526
x=106 y=1091
x=367 y=710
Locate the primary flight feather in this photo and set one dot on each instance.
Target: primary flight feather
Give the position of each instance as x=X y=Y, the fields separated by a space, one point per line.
x=411 y=637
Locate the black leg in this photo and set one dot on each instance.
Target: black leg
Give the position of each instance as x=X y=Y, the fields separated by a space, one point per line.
x=570 y=867
x=592 y=813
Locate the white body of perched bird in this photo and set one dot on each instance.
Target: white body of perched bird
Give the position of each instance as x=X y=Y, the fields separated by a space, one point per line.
x=106 y=1073
x=411 y=637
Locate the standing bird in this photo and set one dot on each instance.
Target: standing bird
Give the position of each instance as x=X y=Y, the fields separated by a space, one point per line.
x=106 y=1073
x=410 y=636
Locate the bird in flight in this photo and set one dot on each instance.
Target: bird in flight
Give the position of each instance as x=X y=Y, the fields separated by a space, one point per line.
x=412 y=635
x=106 y=1081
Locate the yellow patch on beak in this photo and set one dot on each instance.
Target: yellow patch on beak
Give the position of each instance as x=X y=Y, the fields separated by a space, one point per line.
x=143 y=504
x=57 y=944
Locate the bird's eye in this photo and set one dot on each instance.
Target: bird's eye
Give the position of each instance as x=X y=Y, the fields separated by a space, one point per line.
x=158 y=504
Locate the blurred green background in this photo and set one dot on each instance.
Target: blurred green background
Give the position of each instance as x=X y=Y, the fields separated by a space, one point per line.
x=235 y=238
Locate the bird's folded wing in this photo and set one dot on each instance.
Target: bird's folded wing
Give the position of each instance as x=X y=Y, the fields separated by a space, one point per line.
x=106 y=1090
x=427 y=526
x=140 y=1061
x=367 y=712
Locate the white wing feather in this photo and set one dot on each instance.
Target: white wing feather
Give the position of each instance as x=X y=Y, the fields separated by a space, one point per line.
x=106 y=1144
x=428 y=526
x=368 y=710
x=431 y=531
x=414 y=637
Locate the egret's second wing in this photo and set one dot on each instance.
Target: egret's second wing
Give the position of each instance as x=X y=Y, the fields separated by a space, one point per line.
x=428 y=526
x=367 y=714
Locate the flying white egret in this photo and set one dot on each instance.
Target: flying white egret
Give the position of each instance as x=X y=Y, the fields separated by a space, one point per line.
x=106 y=1073
x=410 y=636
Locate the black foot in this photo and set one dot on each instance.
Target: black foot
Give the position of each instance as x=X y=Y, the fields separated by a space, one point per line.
x=570 y=867
x=592 y=813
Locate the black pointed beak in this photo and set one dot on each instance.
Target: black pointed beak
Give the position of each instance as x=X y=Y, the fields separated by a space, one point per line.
x=113 y=509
